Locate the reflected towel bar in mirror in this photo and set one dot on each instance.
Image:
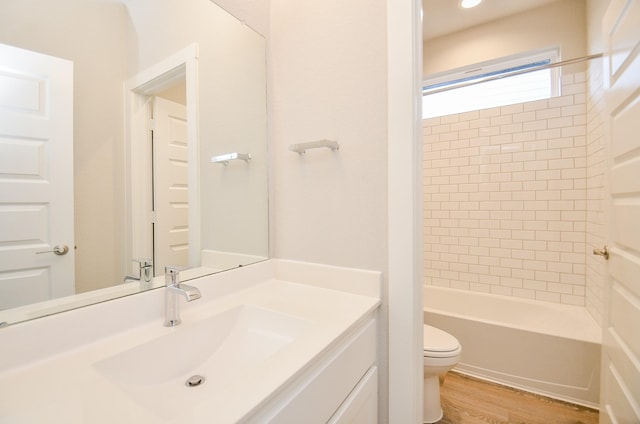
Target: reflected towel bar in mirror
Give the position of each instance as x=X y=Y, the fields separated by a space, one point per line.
x=224 y=159
x=300 y=148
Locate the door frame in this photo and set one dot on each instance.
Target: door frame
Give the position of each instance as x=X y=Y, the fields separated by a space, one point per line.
x=401 y=399
x=138 y=160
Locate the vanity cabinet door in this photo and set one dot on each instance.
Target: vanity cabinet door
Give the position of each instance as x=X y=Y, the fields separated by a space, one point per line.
x=361 y=407
x=318 y=393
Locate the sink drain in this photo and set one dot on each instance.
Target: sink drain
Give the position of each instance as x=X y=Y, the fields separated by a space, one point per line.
x=194 y=380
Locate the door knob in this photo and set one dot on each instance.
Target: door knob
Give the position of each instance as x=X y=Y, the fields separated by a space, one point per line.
x=61 y=249
x=602 y=252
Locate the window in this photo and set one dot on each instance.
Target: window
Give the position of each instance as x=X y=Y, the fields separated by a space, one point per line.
x=490 y=84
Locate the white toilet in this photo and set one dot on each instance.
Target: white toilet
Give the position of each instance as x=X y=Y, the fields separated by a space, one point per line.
x=441 y=353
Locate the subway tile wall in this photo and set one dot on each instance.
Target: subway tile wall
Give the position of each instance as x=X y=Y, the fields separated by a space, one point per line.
x=505 y=198
x=595 y=225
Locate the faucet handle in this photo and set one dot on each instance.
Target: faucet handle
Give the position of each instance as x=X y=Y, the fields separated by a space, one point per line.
x=143 y=262
x=145 y=270
x=172 y=275
x=173 y=268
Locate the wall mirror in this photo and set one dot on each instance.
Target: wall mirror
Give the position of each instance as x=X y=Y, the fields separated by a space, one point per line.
x=133 y=136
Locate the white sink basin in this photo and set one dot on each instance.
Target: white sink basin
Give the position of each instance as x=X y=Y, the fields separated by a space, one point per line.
x=218 y=348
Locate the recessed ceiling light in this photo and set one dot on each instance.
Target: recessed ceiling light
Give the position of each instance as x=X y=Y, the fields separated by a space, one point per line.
x=468 y=4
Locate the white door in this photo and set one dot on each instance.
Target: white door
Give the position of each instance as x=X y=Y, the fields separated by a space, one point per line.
x=620 y=392
x=36 y=177
x=171 y=185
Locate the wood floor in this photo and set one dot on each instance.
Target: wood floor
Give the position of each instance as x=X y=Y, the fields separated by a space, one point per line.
x=467 y=400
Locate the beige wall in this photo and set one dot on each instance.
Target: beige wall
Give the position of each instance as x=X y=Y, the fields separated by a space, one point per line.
x=91 y=34
x=561 y=23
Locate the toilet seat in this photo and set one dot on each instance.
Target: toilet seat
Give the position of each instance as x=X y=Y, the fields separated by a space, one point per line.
x=438 y=343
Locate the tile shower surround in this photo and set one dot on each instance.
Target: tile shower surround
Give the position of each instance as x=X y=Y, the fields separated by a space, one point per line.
x=505 y=198
x=596 y=193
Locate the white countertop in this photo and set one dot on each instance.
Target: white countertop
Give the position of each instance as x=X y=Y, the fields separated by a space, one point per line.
x=66 y=386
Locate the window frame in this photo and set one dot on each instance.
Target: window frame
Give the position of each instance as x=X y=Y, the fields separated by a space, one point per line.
x=493 y=69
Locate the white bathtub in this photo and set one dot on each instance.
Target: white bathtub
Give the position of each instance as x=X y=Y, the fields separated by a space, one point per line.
x=540 y=347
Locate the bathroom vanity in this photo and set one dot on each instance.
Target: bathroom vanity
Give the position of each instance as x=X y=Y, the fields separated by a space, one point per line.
x=277 y=341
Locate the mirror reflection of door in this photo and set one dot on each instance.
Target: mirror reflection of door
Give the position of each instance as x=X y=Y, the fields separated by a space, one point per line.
x=170 y=185
x=36 y=177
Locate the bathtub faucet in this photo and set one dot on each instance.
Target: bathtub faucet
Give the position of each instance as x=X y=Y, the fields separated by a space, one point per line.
x=172 y=291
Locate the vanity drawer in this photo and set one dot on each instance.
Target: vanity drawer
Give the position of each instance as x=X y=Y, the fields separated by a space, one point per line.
x=316 y=395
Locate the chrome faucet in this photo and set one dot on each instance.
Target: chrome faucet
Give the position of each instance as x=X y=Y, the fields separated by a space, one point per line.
x=172 y=290
x=145 y=268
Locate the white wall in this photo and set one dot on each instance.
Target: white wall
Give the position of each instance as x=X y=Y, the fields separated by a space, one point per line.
x=328 y=79
x=559 y=23
x=328 y=74
x=254 y=13
x=93 y=35
x=595 y=13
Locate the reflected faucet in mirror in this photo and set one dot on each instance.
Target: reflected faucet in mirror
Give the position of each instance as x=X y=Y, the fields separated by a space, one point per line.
x=145 y=270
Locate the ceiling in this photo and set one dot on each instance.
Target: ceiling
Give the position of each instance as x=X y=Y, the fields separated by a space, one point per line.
x=445 y=16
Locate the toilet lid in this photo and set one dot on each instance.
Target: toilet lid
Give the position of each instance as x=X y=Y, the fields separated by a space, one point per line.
x=436 y=340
